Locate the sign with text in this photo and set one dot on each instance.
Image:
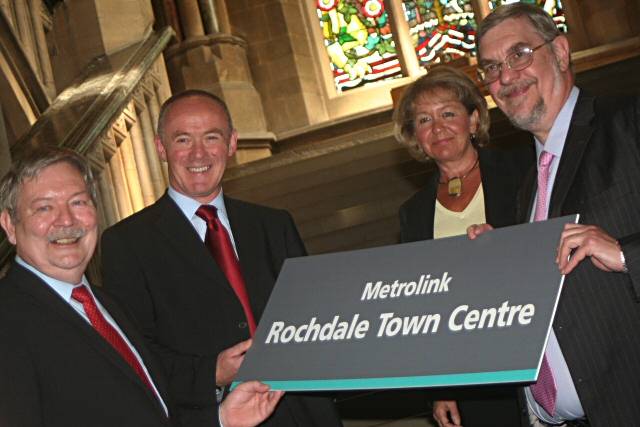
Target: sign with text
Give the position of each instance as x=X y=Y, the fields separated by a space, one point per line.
x=425 y=314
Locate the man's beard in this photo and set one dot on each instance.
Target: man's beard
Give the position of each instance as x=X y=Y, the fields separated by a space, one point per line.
x=523 y=121
x=528 y=122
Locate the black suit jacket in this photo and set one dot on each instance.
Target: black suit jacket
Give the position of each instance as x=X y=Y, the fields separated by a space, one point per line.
x=157 y=265
x=502 y=173
x=55 y=370
x=598 y=318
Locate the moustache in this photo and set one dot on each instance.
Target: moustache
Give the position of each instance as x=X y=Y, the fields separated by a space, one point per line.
x=508 y=90
x=72 y=233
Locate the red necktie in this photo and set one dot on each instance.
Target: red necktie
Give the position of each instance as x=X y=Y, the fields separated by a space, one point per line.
x=219 y=244
x=108 y=332
x=544 y=390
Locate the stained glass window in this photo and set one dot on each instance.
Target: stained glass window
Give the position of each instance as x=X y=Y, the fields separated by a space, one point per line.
x=357 y=37
x=553 y=8
x=441 y=30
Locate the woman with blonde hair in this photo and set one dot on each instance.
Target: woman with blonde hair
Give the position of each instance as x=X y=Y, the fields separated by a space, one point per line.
x=443 y=118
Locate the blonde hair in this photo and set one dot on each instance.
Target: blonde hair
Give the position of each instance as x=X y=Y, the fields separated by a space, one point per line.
x=444 y=78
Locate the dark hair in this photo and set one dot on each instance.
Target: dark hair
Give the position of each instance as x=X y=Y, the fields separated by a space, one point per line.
x=31 y=164
x=166 y=106
x=439 y=78
x=538 y=17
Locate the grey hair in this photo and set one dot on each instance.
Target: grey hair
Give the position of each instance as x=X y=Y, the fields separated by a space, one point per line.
x=541 y=21
x=31 y=164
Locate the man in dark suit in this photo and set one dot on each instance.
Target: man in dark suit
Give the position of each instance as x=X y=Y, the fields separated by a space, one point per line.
x=588 y=160
x=68 y=354
x=197 y=311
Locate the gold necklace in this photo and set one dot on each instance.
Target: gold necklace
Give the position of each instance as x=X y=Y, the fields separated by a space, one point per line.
x=455 y=184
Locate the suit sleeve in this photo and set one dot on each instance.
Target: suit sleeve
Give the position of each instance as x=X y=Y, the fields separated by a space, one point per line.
x=631 y=248
x=404 y=226
x=191 y=377
x=294 y=243
x=19 y=390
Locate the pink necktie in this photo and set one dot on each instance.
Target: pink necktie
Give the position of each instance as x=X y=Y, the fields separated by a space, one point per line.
x=544 y=390
x=108 y=332
x=219 y=244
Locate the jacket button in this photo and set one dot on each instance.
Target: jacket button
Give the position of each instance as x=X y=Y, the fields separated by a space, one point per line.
x=242 y=325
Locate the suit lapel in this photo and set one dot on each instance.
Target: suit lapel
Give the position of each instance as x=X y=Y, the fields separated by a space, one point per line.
x=31 y=284
x=245 y=235
x=579 y=133
x=493 y=187
x=178 y=232
x=137 y=342
x=525 y=196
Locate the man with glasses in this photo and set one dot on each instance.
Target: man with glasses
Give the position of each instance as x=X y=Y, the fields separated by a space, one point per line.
x=588 y=153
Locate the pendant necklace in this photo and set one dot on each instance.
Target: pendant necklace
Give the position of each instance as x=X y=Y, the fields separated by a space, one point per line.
x=454 y=185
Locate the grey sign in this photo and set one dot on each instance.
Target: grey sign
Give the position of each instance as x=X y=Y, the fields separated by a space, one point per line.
x=425 y=314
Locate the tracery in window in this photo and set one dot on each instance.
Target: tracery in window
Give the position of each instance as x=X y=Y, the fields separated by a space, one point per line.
x=358 y=39
x=441 y=30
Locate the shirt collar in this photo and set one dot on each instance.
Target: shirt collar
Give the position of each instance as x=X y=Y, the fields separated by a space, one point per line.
x=63 y=289
x=189 y=206
x=560 y=129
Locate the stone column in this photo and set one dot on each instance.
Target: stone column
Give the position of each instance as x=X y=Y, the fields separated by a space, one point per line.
x=190 y=18
x=23 y=24
x=155 y=166
x=41 y=46
x=5 y=151
x=142 y=164
x=131 y=173
x=120 y=185
x=108 y=197
x=222 y=15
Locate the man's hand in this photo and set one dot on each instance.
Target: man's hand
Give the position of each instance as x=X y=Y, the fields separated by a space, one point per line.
x=475 y=230
x=446 y=413
x=248 y=405
x=229 y=362
x=588 y=241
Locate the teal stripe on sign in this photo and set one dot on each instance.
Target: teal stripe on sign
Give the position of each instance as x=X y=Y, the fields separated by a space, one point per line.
x=476 y=378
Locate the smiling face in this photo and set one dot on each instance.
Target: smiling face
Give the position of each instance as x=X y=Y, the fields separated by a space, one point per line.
x=196 y=143
x=443 y=126
x=54 y=227
x=531 y=98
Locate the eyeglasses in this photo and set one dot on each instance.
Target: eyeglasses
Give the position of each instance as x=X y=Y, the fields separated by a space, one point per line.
x=516 y=61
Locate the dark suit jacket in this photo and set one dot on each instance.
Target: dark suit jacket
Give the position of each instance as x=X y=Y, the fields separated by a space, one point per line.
x=157 y=265
x=598 y=318
x=502 y=173
x=55 y=370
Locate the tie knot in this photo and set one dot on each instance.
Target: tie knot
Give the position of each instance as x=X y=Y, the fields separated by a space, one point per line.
x=208 y=213
x=545 y=159
x=81 y=294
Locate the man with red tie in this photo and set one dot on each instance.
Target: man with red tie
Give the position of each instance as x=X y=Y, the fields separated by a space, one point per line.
x=197 y=268
x=68 y=354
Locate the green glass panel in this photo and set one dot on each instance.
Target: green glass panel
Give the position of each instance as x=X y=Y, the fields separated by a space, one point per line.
x=358 y=40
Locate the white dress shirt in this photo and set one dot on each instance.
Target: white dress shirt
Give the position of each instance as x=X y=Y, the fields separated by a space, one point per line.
x=188 y=207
